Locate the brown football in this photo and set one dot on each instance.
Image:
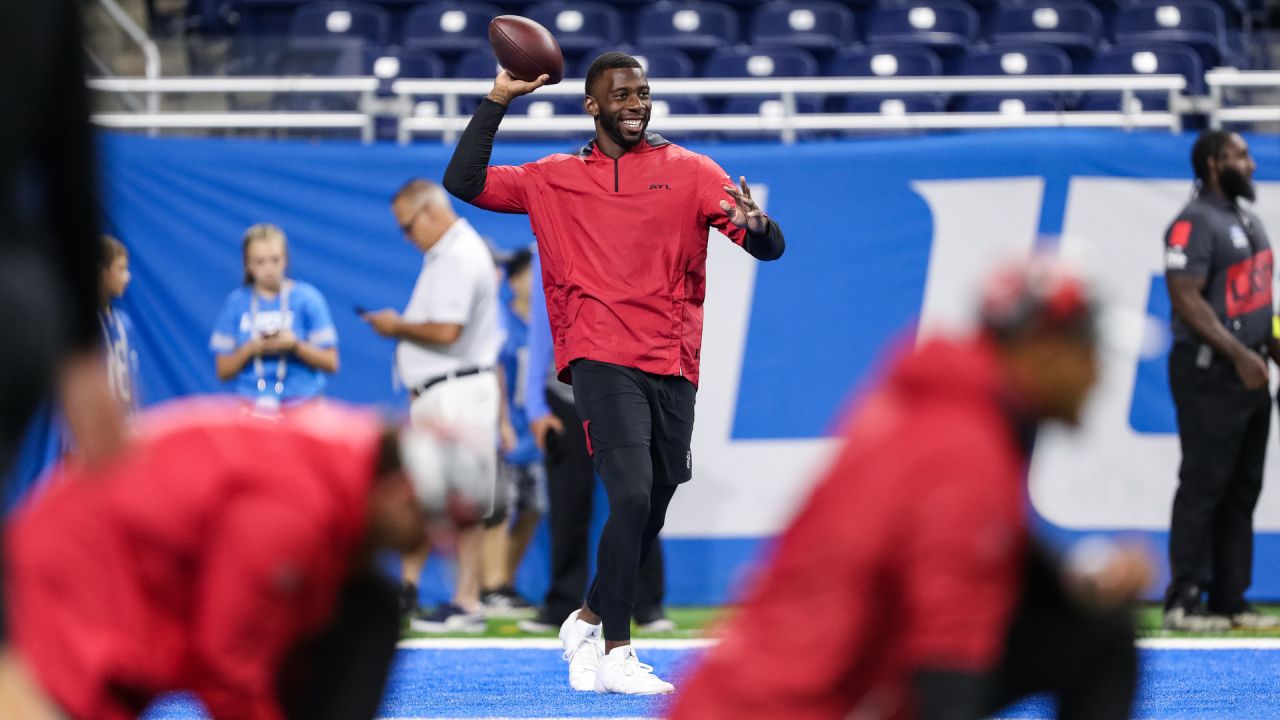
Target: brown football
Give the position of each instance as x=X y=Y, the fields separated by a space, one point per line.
x=525 y=48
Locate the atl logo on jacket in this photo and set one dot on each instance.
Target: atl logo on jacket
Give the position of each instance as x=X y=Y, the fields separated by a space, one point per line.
x=1249 y=285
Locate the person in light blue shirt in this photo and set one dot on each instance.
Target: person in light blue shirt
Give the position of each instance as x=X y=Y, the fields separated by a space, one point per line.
x=274 y=335
x=117 y=326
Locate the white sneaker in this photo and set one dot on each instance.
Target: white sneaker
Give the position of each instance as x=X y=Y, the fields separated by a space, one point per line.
x=1251 y=619
x=582 y=650
x=622 y=672
x=1183 y=620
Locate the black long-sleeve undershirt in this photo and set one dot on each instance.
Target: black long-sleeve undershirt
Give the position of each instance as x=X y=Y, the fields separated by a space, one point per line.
x=465 y=176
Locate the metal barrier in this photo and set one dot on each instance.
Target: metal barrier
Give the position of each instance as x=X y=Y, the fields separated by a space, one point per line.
x=1220 y=81
x=786 y=123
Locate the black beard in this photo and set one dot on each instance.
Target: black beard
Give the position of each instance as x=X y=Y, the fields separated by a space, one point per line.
x=1235 y=185
x=612 y=127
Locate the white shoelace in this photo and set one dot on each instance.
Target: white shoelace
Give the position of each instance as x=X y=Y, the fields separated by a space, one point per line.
x=632 y=662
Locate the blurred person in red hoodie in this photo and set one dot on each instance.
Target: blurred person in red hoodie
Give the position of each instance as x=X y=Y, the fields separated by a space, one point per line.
x=907 y=586
x=230 y=555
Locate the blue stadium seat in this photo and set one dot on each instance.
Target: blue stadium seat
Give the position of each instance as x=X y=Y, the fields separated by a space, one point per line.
x=678 y=105
x=476 y=63
x=1016 y=59
x=769 y=106
x=813 y=24
x=743 y=61
x=579 y=25
x=390 y=63
x=658 y=62
x=341 y=20
x=327 y=59
x=1196 y=23
x=763 y=62
x=1012 y=104
x=449 y=27
x=1073 y=25
x=1152 y=59
x=320 y=57
x=885 y=61
x=890 y=105
x=692 y=26
x=944 y=25
x=1112 y=102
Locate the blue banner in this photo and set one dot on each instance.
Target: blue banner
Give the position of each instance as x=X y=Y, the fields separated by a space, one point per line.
x=882 y=234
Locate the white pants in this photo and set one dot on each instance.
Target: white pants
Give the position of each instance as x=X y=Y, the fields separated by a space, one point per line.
x=468 y=408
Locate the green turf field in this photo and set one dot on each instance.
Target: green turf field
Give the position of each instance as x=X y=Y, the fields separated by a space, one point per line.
x=692 y=622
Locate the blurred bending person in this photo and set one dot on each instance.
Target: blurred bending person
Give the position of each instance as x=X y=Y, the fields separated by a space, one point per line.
x=230 y=555
x=907 y=585
x=117 y=326
x=274 y=335
x=447 y=343
x=48 y=252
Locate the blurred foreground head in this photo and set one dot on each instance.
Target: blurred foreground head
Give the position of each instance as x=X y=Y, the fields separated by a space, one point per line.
x=427 y=478
x=1044 y=322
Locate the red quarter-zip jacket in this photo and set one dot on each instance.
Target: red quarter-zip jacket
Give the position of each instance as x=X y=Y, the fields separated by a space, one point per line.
x=623 y=244
x=906 y=557
x=194 y=561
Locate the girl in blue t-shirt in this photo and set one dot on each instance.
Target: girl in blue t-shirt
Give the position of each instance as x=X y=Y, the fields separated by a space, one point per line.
x=274 y=335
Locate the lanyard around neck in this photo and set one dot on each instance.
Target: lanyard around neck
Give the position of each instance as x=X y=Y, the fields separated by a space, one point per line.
x=282 y=365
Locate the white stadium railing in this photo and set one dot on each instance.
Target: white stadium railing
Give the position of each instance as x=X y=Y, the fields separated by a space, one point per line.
x=447 y=120
x=1222 y=81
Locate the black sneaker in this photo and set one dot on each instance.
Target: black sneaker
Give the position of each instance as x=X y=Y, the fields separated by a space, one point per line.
x=448 y=618
x=539 y=624
x=505 y=602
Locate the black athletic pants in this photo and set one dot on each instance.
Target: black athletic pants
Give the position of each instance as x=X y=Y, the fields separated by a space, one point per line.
x=341 y=673
x=1223 y=430
x=1086 y=660
x=571 y=483
x=638 y=428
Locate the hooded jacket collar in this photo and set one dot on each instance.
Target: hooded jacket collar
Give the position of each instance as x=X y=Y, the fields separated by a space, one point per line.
x=649 y=142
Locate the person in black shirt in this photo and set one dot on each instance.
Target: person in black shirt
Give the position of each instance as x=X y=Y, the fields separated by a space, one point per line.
x=1219 y=269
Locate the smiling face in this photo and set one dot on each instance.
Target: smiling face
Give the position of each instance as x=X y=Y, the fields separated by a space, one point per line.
x=620 y=103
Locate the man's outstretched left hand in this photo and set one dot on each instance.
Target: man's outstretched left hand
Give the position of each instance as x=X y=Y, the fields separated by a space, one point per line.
x=744 y=212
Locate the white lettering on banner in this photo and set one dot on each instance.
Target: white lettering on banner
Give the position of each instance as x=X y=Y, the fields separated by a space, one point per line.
x=1105 y=475
x=746 y=487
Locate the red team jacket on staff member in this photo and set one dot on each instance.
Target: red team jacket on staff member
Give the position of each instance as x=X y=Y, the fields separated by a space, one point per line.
x=128 y=587
x=907 y=556
x=624 y=249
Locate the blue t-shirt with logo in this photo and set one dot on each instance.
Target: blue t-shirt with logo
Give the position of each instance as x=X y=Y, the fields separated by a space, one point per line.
x=122 y=357
x=513 y=356
x=300 y=308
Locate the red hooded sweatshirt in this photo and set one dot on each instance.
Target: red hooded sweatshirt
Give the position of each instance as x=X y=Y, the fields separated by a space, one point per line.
x=623 y=245
x=194 y=561
x=907 y=555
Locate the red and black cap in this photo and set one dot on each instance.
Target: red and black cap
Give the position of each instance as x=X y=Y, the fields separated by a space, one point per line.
x=1038 y=295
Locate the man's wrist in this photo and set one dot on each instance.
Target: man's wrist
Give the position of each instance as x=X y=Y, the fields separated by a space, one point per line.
x=501 y=97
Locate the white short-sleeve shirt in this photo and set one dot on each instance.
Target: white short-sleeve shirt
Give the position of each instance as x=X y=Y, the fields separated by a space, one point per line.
x=458 y=285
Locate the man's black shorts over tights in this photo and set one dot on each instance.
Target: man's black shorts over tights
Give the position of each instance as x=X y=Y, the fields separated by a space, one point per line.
x=638 y=428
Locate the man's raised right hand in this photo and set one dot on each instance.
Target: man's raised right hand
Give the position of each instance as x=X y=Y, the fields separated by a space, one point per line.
x=506 y=88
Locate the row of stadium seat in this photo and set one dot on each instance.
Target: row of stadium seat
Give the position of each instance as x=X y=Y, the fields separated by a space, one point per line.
x=822 y=27
x=1011 y=59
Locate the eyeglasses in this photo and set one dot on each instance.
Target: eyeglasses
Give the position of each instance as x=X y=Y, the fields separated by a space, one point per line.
x=407 y=228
